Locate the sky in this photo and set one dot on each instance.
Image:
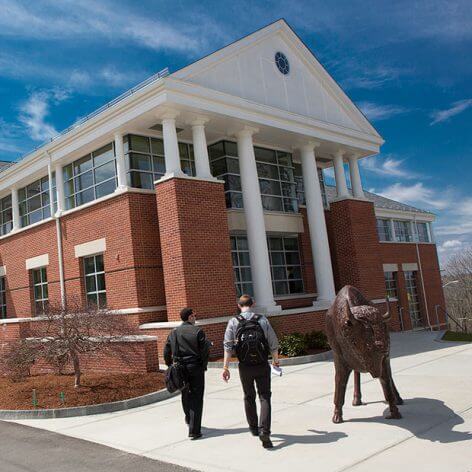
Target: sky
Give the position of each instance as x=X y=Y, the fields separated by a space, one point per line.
x=406 y=64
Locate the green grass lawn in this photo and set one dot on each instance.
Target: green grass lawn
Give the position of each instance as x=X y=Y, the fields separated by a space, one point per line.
x=454 y=336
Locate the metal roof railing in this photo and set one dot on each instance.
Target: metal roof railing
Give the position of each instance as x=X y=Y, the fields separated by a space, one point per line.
x=154 y=78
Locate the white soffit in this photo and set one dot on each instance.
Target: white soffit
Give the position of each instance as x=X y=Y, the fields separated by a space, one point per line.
x=90 y=248
x=3 y=271
x=410 y=266
x=274 y=222
x=37 y=262
x=390 y=267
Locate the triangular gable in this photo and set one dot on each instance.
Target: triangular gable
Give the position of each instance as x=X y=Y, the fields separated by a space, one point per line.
x=247 y=69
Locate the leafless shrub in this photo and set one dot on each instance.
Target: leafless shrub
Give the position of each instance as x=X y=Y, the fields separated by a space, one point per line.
x=458 y=288
x=62 y=336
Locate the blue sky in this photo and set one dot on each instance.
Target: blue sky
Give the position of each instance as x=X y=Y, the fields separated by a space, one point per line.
x=406 y=64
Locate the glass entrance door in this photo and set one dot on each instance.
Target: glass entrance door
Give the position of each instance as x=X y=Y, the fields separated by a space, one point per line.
x=413 y=299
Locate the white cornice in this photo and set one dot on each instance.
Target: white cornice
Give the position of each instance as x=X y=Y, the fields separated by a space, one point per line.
x=404 y=215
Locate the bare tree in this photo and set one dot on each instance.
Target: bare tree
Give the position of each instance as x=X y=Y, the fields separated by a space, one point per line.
x=62 y=336
x=458 y=288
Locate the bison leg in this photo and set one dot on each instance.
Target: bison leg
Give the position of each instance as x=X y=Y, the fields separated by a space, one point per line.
x=398 y=398
x=342 y=376
x=389 y=392
x=357 y=398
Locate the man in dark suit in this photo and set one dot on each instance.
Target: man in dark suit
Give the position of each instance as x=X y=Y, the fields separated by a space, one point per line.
x=189 y=345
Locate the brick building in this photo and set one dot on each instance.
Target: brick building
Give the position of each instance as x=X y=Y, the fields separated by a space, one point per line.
x=199 y=185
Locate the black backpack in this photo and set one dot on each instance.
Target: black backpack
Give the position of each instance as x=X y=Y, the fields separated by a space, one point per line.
x=176 y=375
x=251 y=343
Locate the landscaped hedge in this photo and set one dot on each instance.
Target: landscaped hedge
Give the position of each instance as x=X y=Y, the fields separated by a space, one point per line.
x=297 y=344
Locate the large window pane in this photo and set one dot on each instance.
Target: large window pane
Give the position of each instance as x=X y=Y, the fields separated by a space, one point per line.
x=103 y=155
x=105 y=172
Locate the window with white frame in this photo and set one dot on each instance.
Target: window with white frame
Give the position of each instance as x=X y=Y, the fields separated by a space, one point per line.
x=285 y=265
x=90 y=177
x=6 y=215
x=275 y=172
x=384 y=229
x=422 y=232
x=95 y=288
x=3 y=298
x=402 y=230
x=40 y=290
x=241 y=265
x=146 y=162
x=414 y=306
x=34 y=201
x=391 y=284
x=300 y=188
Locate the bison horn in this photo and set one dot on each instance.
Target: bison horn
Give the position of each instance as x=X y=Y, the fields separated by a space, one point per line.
x=387 y=315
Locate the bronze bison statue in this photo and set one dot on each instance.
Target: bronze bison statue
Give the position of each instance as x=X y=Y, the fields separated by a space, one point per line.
x=358 y=335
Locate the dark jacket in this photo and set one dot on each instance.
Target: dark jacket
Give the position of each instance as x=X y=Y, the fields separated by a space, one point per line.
x=189 y=343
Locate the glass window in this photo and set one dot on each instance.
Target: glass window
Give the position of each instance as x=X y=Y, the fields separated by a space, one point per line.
x=422 y=231
x=3 y=298
x=285 y=265
x=391 y=284
x=6 y=215
x=95 y=289
x=146 y=163
x=241 y=265
x=300 y=188
x=402 y=231
x=384 y=229
x=414 y=306
x=34 y=201
x=90 y=177
x=40 y=290
x=275 y=170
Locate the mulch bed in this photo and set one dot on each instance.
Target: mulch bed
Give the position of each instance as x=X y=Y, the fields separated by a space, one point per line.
x=96 y=388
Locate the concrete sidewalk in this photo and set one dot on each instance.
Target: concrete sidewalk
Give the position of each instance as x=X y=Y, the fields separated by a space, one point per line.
x=434 y=378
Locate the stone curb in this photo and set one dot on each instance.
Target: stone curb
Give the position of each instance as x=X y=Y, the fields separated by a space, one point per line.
x=322 y=356
x=121 y=405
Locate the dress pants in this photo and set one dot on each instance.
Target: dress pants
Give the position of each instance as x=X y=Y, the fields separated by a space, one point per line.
x=251 y=377
x=192 y=398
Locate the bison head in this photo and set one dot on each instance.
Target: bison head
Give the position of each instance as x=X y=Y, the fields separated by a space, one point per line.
x=363 y=329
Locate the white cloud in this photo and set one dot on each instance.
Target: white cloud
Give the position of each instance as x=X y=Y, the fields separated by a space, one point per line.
x=451 y=243
x=377 y=112
x=34 y=111
x=388 y=166
x=416 y=194
x=368 y=77
x=444 y=115
x=89 y=20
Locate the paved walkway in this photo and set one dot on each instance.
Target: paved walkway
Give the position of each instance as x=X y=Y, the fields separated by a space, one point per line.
x=434 y=378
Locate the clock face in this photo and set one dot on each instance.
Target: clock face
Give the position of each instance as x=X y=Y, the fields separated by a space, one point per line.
x=282 y=63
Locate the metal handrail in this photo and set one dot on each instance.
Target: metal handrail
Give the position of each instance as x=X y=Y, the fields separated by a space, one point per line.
x=400 y=315
x=162 y=73
x=449 y=317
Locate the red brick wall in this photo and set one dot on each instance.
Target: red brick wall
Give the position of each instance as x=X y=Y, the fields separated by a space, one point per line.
x=196 y=251
x=355 y=247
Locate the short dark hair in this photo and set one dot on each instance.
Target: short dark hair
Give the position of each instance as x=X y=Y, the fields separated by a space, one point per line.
x=185 y=314
x=245 y=300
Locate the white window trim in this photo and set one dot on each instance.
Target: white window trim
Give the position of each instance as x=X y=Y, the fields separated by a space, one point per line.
x=90 y=248
x=413 y=266
x=390 y=267
x=37 y=262
x=3 y=271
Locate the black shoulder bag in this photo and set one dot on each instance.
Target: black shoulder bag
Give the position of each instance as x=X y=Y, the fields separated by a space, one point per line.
x=176 y=374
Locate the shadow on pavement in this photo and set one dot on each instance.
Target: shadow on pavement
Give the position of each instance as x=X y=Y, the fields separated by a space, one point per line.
x=318 y=437
x=437 y=411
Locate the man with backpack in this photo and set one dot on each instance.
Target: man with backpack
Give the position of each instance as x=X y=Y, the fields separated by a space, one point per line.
x=253 y=339
x=187 y=345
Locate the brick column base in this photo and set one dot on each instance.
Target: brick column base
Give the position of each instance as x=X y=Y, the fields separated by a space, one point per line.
x=355 y=247
x=196 y=250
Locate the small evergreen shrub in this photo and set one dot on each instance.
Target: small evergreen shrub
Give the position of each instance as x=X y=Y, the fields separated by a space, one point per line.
x=293 y=345
x=316 y=340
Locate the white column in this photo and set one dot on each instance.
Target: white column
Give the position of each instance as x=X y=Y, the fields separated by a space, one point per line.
x=120 y=162
x=61 y=203
x=356 y=182
x=171 y=147
x=340 y=177
x=317 y=225
x=256 y=233
x=15 y=208
x=200 y=150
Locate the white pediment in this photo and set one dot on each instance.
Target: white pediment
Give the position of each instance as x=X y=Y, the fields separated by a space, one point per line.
x=247 y=69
